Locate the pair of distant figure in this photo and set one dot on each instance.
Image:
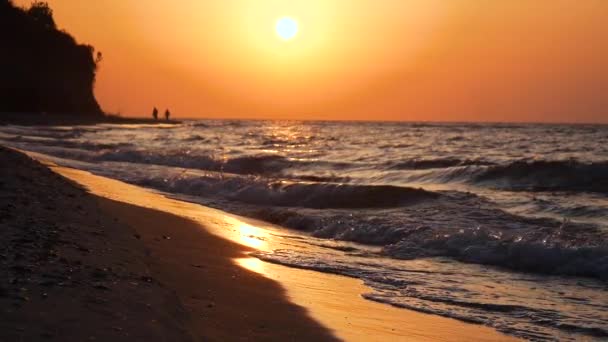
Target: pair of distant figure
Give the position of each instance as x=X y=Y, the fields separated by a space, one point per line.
x=155 y=114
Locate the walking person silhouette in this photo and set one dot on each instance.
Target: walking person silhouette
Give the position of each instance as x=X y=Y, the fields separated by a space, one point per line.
x=155 y=113
x=167 y=114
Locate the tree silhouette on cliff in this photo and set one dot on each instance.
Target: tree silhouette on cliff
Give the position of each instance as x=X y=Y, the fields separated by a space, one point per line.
x=43 y=69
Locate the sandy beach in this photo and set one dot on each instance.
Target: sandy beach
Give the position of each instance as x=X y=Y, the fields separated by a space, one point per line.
x=310 y=170
x=154 y=268
x=70 y=272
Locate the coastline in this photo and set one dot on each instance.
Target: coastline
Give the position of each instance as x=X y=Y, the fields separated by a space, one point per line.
x=242 y=297
x=58 y=119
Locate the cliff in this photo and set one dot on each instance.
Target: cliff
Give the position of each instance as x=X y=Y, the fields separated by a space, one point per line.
x=43 y=69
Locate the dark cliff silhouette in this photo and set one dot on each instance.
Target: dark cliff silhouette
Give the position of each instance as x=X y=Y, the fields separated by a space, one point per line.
x=43 y=69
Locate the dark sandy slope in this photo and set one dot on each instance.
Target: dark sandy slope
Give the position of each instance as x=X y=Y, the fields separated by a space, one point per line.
x=67 y=271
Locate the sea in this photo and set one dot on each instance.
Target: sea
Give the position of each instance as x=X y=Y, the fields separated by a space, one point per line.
x=504 y=225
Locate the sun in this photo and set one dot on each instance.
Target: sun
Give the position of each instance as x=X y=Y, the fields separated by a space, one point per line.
x=287 y=28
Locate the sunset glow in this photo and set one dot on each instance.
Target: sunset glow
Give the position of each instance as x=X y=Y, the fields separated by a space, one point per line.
x=356 y=170
x=287 y=28
x=366 y=60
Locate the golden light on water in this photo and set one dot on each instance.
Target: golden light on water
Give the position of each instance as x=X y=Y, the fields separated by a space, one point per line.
x=251 y=236
x=253 y=264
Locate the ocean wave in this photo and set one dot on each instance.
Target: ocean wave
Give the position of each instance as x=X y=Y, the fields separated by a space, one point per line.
x=559 y=175
x=202 y=160
x=454 y=224
x=548 y=251
x=463 y=227
x=261 y=164
x=567 y=209
x=67 y=143
x=519 y=175
x=198 y=124
x=279 y=194
x=236 y=180
x=456 y=291
x=45 y=132
x=531 y=331
x=320 y=179
x=438 y=163
x=196 y=137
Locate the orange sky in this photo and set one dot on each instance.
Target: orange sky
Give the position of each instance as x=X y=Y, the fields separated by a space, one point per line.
x=437 y=60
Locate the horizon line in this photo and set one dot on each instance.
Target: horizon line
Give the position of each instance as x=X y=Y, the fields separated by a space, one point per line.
x=236 y=118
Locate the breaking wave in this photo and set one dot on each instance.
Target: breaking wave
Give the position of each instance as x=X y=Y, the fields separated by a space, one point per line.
x=465 y=294
x=520 y=175
x=461 y=231
x=439 y=163
x=290 y=194
x=567 y=175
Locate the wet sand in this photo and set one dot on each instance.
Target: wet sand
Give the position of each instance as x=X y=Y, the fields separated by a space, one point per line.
x=225 y=302
x=200 y=255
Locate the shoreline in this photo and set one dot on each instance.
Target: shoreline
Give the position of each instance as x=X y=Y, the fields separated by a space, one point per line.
x=295 y=302
x=222 y=300
x=54 y=119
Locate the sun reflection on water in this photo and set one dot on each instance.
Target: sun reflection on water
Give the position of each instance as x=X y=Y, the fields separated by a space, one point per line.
x=251 y=236
x=252 y=264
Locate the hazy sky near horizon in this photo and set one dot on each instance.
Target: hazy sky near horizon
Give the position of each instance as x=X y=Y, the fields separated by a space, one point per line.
x=437 y=60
